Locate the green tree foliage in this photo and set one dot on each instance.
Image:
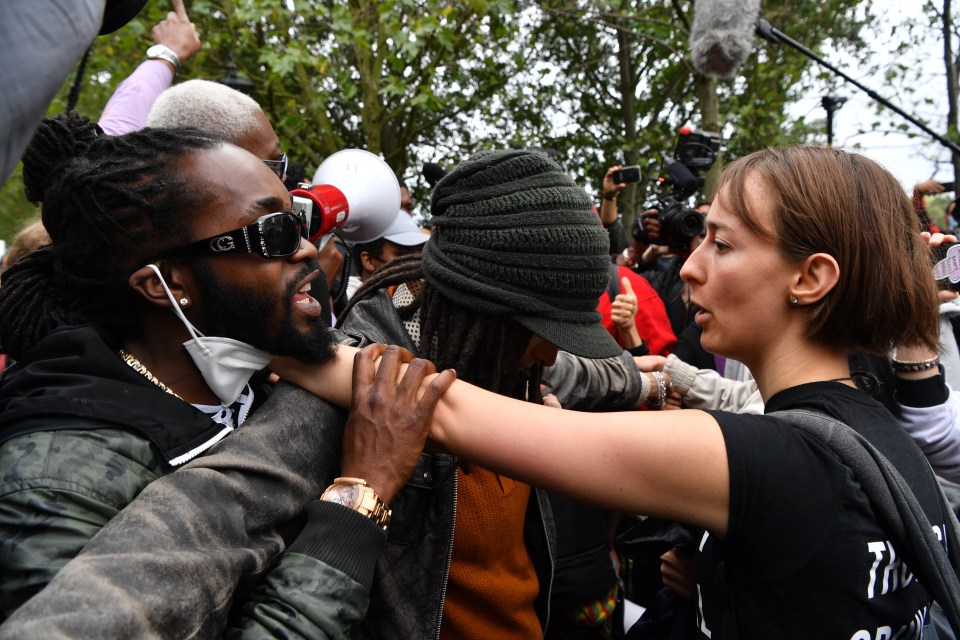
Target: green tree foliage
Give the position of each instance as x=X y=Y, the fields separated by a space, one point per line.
x=112 y=58
x=625 y=85
x=394 y=78
x=914 y=53
x=388 y=77
x=937 y=29
x=417 y=80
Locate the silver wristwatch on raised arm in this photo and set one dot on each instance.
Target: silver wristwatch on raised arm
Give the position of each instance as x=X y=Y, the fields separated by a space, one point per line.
x=163 y=52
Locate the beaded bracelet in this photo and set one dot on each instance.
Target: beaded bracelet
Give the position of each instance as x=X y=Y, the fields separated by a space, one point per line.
x=914 y=365
x=661 y=390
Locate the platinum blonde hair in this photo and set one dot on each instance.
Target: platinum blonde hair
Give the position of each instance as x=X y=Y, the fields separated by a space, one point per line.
x=208 y=106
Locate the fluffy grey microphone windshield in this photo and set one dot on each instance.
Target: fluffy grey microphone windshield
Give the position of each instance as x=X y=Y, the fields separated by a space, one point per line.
x=721 y=38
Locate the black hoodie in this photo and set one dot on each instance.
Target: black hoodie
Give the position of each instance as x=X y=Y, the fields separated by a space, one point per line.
x=74 y=379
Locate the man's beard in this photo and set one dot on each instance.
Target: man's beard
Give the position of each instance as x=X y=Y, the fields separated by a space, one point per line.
x=240 y=312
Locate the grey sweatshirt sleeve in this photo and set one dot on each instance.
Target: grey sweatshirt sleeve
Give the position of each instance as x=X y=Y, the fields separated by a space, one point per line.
x=936 y=430
x=594 y=384
x=707 y=389
x=42 y=42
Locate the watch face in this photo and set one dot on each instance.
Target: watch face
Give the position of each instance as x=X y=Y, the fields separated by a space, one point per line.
x=361 y=499
x=347 y=495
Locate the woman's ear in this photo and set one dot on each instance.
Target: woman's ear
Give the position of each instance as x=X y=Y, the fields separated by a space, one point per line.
x=818 y=275
x=146 y=282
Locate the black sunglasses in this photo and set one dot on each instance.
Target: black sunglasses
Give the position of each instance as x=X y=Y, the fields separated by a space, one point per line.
x=274 y=235
x=279 y=167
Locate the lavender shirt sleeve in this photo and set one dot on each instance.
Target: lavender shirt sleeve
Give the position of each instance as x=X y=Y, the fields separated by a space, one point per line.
x=129 y=105
x=936 y=430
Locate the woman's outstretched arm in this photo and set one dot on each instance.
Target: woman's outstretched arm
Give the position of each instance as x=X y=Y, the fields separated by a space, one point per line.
x=331 y=380
x=671 y=464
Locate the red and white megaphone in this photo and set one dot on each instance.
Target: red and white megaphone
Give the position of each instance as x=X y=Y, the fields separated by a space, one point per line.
x=354 y=193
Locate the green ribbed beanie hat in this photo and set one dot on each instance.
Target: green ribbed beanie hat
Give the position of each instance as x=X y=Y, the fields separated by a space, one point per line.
x=514 y=236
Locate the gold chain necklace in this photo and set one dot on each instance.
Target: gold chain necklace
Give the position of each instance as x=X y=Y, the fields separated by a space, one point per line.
x=139 y=367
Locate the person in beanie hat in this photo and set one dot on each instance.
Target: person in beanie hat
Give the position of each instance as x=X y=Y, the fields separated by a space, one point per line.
x=511 y=275
x=515 y=237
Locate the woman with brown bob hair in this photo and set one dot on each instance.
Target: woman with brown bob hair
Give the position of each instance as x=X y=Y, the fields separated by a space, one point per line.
x=828 y=201
x=810 y=253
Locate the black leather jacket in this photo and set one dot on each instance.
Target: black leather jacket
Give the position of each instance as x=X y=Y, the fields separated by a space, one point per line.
x=409 y=585
x=411 y=576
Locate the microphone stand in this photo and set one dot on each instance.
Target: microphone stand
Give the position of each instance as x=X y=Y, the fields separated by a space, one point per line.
x=831 y=104
x=771 y=34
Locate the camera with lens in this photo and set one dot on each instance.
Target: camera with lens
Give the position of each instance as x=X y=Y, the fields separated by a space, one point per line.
x=695 y=152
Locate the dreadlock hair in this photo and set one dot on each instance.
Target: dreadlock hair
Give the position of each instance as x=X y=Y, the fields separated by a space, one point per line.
x=485 y=350
x=110 y=205
x=57 y=139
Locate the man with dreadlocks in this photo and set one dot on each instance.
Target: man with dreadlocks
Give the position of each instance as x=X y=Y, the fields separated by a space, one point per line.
x=136 y=333
x=511 y=274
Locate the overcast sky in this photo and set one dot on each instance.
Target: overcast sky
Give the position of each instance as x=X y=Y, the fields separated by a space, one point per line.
x=910 y=159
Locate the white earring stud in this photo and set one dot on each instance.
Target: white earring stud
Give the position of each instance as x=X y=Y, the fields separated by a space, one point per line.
x=184 y=302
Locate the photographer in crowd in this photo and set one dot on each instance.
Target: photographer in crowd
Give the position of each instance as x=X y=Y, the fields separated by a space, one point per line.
x=659 y=260
x=609 y=215
x=665 y=234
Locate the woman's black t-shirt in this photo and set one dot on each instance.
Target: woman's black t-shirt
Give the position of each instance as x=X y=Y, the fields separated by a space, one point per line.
x=804 y=555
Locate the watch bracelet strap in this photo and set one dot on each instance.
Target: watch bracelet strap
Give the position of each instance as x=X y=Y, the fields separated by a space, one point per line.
x=346 y=480
x=380 y=513
x=170 y=56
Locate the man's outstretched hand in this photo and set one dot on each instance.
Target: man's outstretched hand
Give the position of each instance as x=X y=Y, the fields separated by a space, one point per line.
x=388 y=424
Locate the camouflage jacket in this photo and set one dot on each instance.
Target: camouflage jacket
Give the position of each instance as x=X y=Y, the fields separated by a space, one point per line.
x=82 y=438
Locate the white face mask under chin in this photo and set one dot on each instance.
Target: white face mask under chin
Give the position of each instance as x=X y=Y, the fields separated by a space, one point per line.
x=225 y=364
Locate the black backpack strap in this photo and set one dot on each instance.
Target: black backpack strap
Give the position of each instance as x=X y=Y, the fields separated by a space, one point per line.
x=897 y=506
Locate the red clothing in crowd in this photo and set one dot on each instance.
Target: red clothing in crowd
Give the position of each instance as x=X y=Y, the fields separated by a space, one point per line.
x=651 y=319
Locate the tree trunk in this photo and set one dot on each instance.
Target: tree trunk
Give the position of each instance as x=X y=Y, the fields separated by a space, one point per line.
x=628 y=109
x=368 y=64
x=950 y=64
x=710 y=121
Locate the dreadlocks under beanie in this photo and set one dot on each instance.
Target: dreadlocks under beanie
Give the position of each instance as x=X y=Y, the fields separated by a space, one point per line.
x=514 y=236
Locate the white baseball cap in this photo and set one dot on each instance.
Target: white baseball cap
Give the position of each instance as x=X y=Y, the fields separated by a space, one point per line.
x=405 y=232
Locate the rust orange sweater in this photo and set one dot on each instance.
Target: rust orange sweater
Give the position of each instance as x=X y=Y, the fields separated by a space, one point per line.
x=492 y=582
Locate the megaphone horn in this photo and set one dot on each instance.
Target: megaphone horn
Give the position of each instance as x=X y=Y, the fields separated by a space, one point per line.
x=354 y=192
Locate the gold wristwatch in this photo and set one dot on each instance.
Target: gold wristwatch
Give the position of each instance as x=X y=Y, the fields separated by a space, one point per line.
x=356 y=494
